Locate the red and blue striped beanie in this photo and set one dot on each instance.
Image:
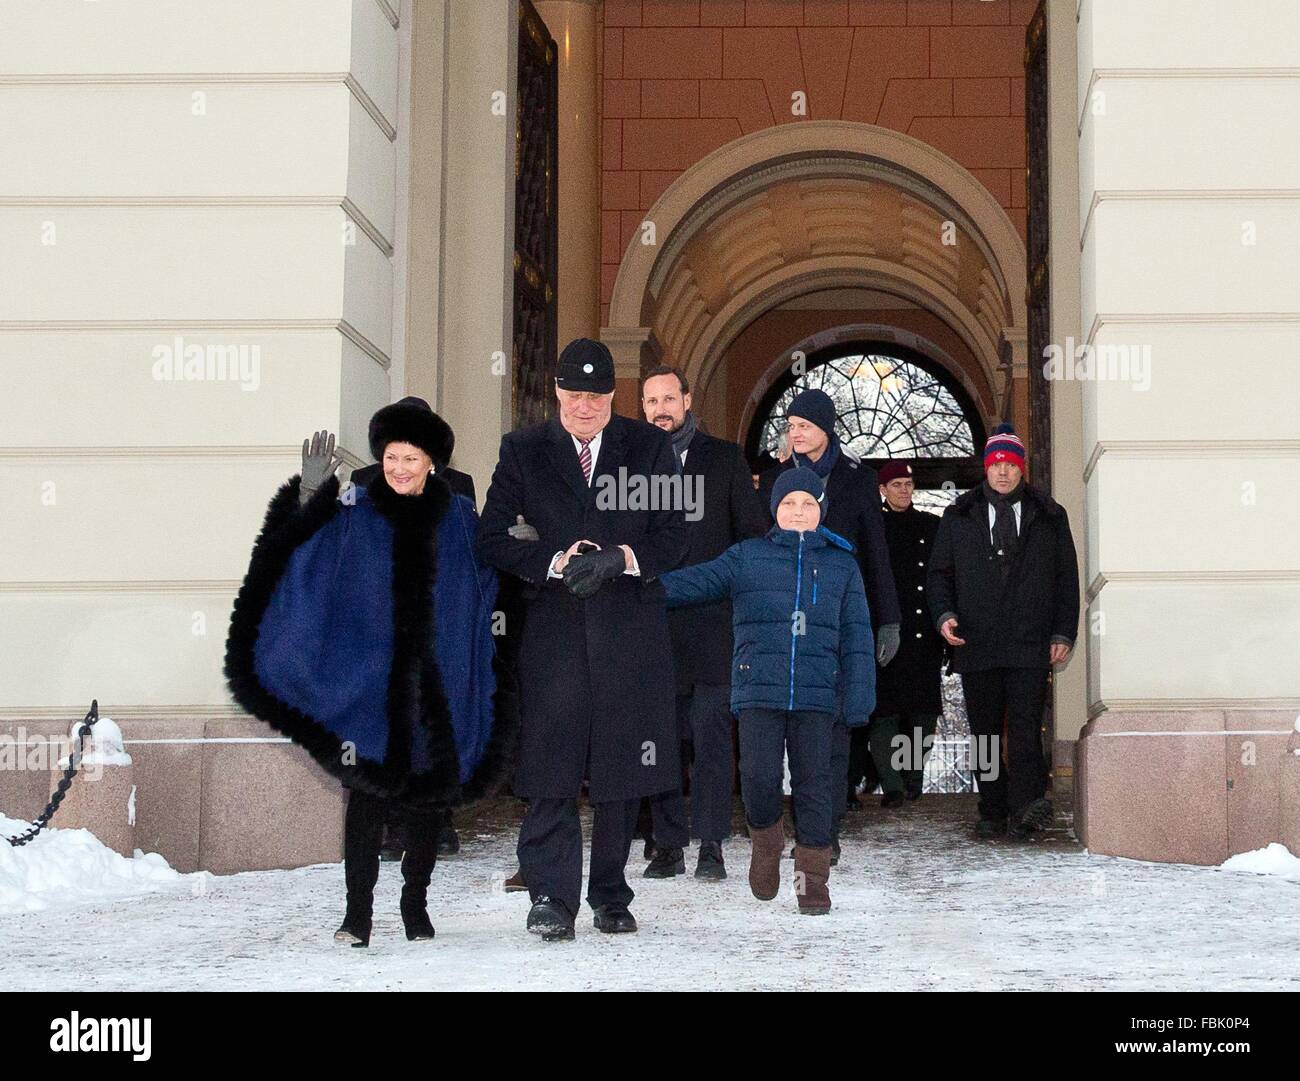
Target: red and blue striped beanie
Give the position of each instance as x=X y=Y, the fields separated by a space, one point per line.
x=1004 y=446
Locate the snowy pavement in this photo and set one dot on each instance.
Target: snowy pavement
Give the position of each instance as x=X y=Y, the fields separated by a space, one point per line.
x=918 y=905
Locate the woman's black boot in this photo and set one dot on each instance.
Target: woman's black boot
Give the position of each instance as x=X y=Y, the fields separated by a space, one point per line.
x=417 y=869
x=363 y=832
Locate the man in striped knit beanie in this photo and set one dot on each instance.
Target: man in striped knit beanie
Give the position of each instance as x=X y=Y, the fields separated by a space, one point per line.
x=1005 y=549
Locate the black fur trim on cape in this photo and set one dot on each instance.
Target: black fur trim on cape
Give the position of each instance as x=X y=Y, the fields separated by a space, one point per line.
x=415 y=694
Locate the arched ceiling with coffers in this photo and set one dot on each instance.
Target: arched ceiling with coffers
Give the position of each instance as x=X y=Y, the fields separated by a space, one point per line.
x=785 y=211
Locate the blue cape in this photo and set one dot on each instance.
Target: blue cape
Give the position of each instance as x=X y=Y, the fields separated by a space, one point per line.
x=364 y=632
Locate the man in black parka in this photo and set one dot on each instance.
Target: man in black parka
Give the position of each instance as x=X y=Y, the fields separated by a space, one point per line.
x=594 y=700
x=854 y=498
x=715 y=472
x=1003 y=587
x=908 y=691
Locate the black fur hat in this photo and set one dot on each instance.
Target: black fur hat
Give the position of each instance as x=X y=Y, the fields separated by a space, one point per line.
x=412 y=421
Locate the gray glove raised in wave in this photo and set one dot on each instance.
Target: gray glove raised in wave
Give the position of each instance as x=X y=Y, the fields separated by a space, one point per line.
x=886 y=643
x=318 y=464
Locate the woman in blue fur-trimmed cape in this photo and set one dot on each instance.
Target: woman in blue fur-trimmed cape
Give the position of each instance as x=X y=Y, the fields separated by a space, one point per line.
x=363 y=631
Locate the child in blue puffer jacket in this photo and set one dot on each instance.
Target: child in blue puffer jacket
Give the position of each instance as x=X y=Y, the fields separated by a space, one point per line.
x=803 y=656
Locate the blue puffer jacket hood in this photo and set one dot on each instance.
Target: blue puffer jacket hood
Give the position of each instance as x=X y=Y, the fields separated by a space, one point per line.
x=802 y=628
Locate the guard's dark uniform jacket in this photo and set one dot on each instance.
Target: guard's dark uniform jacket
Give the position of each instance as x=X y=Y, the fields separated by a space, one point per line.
x=595 y=675
x=910 y=682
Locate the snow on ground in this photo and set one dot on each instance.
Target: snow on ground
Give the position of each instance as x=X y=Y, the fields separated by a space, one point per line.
x=1275 y=859
x=918 y=904
x=61 y=868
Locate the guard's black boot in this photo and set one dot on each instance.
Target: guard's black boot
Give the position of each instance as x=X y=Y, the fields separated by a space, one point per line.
x=551 y=920
x=614 y=919
x=393 y=846
x=1035 y=815
x=363 y=830
x=667 y=862
x=891 y=799
x=987 y=828
x=448 y=839
x=710 y=864
x=913 y=789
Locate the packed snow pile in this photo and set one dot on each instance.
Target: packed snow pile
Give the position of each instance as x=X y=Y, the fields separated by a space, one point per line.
x=61 y=868
x=1276 y=859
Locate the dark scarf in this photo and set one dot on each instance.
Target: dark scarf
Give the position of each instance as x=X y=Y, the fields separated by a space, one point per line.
x=823 y=465
x=683 y=436
x=1004 y=523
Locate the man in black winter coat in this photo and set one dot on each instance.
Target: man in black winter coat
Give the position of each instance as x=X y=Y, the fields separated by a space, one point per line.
x=727 y=511
x=597 y=491
x=854 y=498
x=1003 y=588
x=908 y=690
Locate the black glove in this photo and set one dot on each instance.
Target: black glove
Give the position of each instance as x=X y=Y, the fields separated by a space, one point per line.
x=585 y=572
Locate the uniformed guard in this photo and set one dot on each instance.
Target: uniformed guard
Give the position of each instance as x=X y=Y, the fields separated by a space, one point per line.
x=908 y=689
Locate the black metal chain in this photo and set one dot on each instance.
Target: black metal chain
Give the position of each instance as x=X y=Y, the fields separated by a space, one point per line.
x=74 y=763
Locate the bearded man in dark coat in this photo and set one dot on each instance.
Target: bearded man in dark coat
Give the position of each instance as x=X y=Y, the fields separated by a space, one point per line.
x=726 y=510
x=598 y=491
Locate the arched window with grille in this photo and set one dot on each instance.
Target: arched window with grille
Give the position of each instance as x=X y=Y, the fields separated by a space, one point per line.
x=891 y=401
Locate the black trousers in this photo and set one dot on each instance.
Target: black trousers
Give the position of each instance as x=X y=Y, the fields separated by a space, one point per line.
x=898 y=744
x=1018 y=695
x=550 y=852
x=704 y=718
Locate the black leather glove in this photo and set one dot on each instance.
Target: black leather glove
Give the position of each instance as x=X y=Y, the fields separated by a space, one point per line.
x=585 y=572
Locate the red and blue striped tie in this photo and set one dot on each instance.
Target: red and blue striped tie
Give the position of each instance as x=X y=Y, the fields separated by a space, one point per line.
x=584 y=459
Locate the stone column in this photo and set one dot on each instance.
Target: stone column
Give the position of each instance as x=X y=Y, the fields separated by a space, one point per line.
x=1069 y=689
x=633 y=348
x=476 y=299
x=573 y=25
x=1190 y=251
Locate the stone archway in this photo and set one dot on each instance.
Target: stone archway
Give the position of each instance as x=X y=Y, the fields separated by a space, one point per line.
x=803 y=207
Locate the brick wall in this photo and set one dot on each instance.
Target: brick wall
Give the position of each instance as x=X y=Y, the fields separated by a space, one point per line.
x=680 y=78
